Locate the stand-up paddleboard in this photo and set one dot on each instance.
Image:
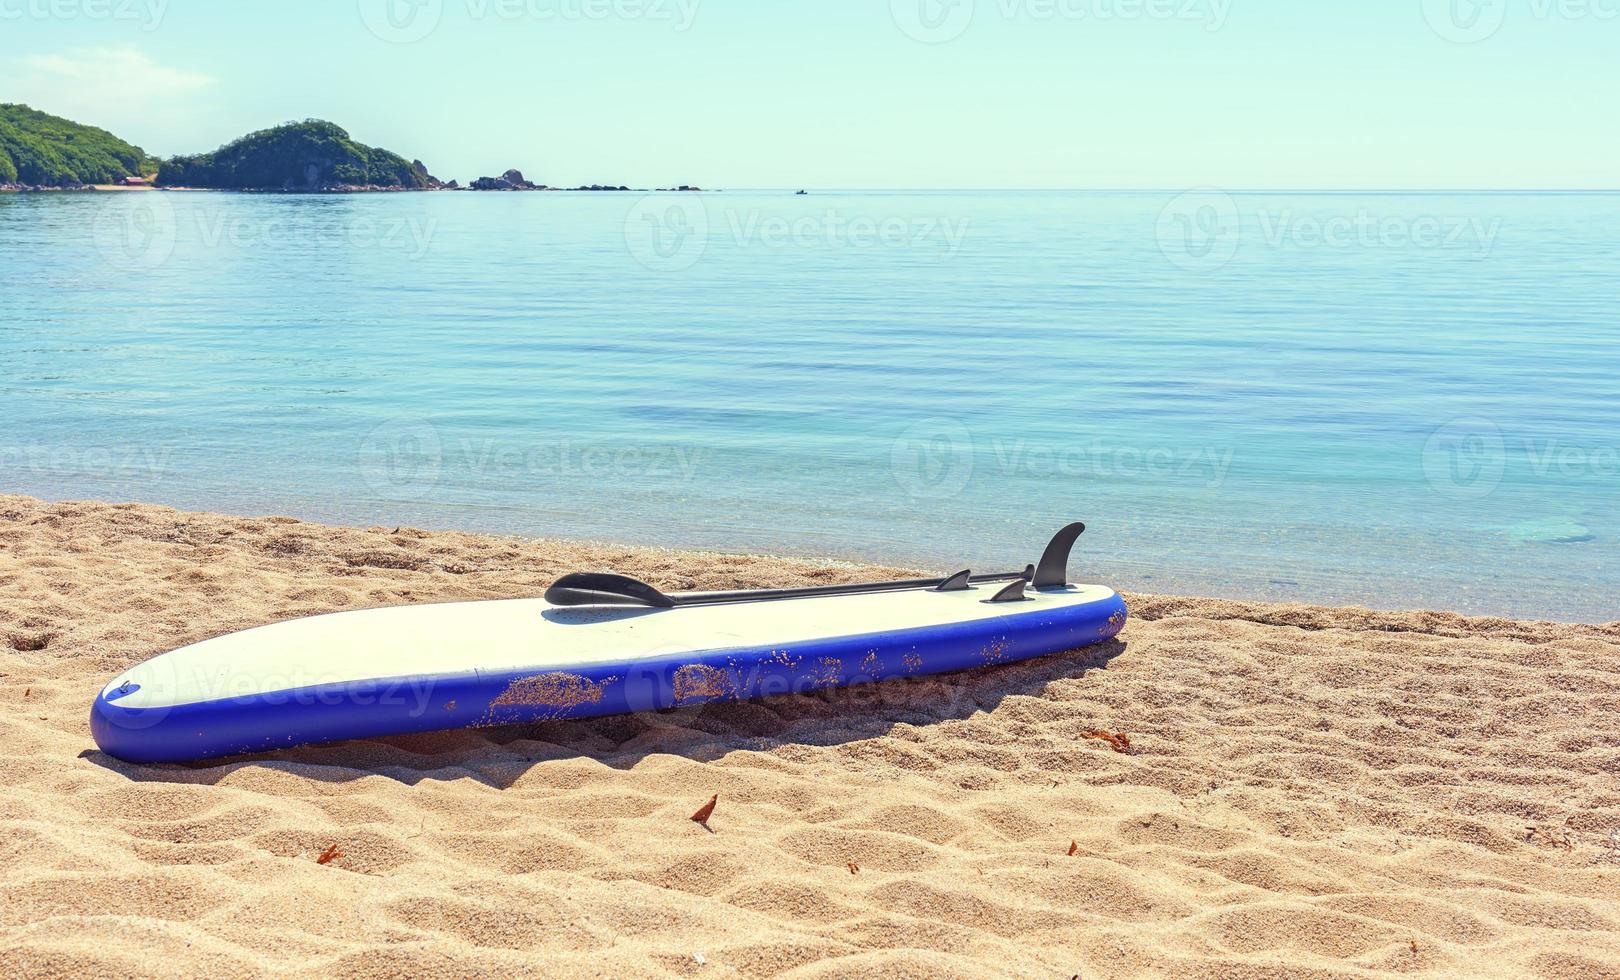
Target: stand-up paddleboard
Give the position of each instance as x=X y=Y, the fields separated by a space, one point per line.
x=596 y=644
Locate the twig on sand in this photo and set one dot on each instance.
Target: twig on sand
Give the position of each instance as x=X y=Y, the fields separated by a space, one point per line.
x=1074 y=848
x=854 y=868
x=706 y=811
x=329 y=855
x=1118 y=741
x=1558 y=838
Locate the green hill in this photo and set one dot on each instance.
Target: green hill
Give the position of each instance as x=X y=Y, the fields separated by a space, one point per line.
x=311 y=155
x=46 y=150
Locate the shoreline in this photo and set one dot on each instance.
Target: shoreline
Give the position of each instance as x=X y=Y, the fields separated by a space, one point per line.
x=343 y=189
x=1341 y=790
x=1182 y=584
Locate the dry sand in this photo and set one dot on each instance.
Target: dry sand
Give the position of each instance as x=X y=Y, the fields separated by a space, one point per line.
x=1309 y=791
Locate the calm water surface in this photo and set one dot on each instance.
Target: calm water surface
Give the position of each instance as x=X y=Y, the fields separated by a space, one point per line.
x=1399 y=399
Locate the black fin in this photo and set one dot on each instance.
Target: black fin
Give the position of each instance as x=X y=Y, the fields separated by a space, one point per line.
x=955 y=583
x=1053 y=572
x=1014 y=592
x=605 y=589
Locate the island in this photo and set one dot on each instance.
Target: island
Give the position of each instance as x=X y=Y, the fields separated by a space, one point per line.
x=42 y=151
x=313 y=155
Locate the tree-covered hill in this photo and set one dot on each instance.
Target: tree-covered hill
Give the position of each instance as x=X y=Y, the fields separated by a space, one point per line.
x=306 y=156
x=49 y=151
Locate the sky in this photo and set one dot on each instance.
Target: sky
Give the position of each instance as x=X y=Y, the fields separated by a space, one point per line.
x=1160 y=94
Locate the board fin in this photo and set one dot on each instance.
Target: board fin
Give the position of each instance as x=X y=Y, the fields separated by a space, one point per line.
x=1053 y=572
x=956 y=583
x=1014 y=592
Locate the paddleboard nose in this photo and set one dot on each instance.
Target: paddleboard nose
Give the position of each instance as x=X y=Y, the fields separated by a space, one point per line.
x=116 y=726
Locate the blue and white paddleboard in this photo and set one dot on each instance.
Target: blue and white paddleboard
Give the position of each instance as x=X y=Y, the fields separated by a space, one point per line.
x=596 y=645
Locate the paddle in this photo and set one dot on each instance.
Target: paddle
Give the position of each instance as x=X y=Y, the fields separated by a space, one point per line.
x=608 y=589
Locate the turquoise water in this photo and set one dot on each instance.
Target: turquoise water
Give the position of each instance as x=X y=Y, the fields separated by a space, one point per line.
x=1398 y=399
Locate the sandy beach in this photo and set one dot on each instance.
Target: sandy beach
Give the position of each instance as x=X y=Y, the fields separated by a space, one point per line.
x=1305 y=791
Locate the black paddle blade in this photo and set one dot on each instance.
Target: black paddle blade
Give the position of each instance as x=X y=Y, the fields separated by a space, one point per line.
x=605 y=589
x=1053 y=571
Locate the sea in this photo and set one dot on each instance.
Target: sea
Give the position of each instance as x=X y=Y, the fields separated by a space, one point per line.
x=1401 y=400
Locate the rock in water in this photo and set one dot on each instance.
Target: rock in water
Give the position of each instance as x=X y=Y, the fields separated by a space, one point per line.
x=1551 y=530
x=512 y=180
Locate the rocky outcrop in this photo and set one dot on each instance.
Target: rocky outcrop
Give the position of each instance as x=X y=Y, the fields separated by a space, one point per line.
x=46 y=188
x=431 y=182
x=512 y=180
